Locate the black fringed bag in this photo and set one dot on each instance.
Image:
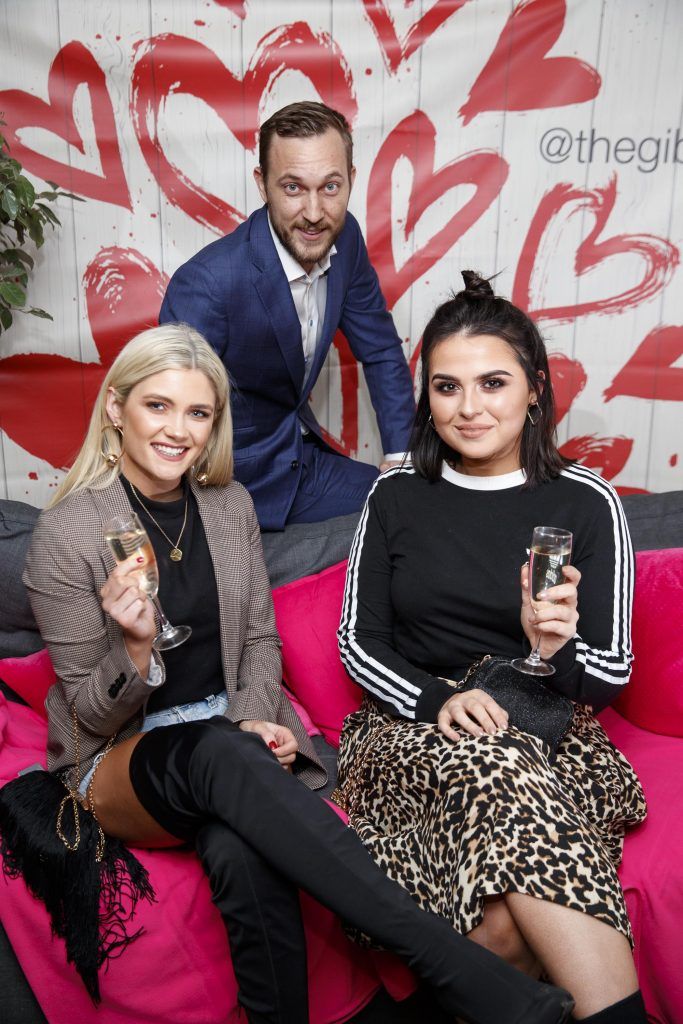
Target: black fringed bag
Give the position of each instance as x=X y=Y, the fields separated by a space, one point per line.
x=90 y=886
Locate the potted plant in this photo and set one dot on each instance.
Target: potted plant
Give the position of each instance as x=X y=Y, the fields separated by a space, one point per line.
x=23 y=211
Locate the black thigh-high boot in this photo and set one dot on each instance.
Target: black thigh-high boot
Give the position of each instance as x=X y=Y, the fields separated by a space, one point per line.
x=262 y=915
x=627 y=1011
x=186 y=774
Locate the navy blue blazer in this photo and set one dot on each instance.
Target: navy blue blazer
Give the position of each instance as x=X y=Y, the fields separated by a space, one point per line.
x=236 y=294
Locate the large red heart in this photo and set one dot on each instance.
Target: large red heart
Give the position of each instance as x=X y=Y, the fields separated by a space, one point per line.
x=395 y=50
x=650 y=372
x=168 y=65
x=73 y=66
x=123 y=291
x=415 y=139
x=519 y=76
x=659 y=255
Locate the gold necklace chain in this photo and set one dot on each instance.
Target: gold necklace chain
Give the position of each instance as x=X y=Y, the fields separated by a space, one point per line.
x=176 y=553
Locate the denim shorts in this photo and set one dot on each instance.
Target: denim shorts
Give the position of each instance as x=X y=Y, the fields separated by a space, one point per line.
x=214 y=704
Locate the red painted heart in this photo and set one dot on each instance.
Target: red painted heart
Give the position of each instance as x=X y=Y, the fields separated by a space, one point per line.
x=168 y=65
x=659 y=256
x=520 y=76
x=395 y=50
x=607 y=455
x=123 y=292
x=238 y=7
x=568 y=379
x=650 y=372
x=73 y=66
x=415 y=139
x=347 y=442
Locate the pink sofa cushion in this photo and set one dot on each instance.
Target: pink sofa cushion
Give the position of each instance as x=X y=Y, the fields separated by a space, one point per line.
x=30 y=677
x=307 y=612
x=653 y=699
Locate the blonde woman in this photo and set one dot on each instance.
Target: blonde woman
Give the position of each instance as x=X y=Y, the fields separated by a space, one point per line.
x=201 y=745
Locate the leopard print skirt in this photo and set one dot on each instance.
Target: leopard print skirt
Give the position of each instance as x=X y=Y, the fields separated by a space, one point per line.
x=454 y=823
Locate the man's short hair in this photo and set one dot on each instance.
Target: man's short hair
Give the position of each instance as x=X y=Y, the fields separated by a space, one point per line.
x=302 y=121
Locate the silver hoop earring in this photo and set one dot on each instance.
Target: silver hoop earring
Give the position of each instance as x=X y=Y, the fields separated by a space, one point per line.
x=430 y=421
x=533 y=421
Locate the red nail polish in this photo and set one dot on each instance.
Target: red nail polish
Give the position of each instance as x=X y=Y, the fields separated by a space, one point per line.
x=273 y=745
x=139 y=560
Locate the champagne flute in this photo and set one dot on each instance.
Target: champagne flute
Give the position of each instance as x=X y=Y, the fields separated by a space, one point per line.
x=550 y=550
x=126 y=536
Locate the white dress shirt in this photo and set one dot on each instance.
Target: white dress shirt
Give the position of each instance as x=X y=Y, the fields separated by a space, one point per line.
x=309 y=293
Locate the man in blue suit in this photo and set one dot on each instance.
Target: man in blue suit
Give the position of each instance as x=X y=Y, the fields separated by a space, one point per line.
x=269 y=298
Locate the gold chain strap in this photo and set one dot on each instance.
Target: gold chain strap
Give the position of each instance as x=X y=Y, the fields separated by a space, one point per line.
x=347 y=796
x=73 y=796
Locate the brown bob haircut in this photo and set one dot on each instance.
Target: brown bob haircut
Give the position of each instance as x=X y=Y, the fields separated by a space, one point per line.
x=303 y=121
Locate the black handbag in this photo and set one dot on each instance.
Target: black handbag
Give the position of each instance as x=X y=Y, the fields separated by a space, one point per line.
x=531 y=706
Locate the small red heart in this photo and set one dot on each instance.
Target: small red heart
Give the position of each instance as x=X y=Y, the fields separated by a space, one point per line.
x=650 y=372
x=415 y=138
x=73 y=66
x=395 y=50
x=660 y=256
x=168 y=65
x=568 y=379
x=123 y=293
x=347 y=442
x=609 y=455
x=520 y=76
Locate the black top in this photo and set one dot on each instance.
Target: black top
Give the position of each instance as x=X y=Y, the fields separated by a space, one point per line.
x=434 y=582
x=188 y=595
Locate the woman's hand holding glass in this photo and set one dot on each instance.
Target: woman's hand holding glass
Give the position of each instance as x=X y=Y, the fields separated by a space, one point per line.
x=554 y=617
x=278 y=738
x=125 y=601
x=474 y=712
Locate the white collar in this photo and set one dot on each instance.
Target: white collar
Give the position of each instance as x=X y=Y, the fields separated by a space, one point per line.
x=483 y=483
x=292 y=268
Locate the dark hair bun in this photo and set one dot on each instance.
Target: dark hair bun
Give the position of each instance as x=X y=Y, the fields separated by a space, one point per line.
x=476 y=286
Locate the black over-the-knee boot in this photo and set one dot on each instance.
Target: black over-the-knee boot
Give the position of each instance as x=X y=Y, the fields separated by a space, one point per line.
x=627 y=1011
x=262 y=915
x=185 y=774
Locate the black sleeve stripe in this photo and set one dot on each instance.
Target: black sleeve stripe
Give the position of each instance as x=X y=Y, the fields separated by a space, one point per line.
x=612 y=665
x=381 y=681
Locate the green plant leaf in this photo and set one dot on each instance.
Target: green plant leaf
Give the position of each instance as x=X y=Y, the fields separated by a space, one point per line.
x=11 y=270
x=12 y=293
x=25 y=191
x=9 y=203
x=34 y=311
x=5 y=317
x=17 y=254
x=48 y=214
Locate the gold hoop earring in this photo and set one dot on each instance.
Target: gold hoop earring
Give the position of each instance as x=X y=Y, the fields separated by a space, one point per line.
x=532 y=421
x=201 y=475
x=110 y=456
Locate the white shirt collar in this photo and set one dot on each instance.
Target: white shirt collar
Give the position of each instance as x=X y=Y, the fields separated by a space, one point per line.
x=292 y=268
x=483 y=483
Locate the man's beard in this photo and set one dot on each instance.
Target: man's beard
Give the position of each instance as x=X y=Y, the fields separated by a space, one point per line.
x=303 y=254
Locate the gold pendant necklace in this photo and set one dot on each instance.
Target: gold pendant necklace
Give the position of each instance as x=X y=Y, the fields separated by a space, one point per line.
x=176 y=552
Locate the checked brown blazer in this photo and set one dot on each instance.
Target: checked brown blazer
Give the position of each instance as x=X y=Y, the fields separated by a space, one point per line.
x=69 y=561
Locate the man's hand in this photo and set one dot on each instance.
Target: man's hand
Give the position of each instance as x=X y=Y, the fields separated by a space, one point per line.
x=278 y=738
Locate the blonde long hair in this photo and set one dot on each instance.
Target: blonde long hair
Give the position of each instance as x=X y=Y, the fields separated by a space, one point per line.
x=171 y=346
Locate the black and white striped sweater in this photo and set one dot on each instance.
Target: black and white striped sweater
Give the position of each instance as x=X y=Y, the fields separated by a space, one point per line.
x=434 y=582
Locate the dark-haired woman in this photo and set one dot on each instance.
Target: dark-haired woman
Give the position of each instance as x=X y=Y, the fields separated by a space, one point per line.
x=468 y=814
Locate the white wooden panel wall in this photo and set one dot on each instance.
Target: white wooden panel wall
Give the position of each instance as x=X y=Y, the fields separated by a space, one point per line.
x=635 y=48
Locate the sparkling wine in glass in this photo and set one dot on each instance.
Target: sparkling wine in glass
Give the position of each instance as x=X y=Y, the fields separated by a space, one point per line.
x=550 y=550
x=126 y=536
